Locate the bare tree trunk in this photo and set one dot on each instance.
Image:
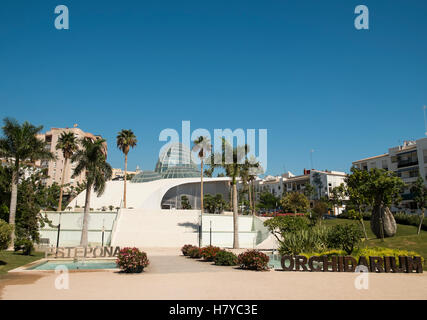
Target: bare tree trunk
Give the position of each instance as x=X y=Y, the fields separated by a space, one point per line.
x=62 y=186
x=363 y=224
x=124 y=188
x=235 y=219
x=421 y=222
x=84 y=238
x=13 y=200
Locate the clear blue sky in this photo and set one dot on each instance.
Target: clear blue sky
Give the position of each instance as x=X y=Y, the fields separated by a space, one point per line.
x=297 y=68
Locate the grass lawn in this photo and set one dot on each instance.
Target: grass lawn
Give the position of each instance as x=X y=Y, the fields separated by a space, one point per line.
x=406 y=238
x=10 y=260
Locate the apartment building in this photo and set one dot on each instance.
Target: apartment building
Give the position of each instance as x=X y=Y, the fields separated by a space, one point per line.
x=407 y=160
x=322 y=181
x=55 y=167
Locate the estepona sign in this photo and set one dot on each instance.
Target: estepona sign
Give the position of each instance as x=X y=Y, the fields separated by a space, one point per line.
x=349 y=264
x=84 y=252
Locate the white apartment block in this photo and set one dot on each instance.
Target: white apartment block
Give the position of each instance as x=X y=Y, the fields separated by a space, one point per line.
x=407 y=161
x=322 y=181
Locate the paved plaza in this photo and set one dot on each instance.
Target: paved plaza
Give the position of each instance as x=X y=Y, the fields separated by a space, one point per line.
x=172 y=276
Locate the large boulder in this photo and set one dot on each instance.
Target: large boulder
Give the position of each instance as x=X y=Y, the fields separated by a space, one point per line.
x=389 y=224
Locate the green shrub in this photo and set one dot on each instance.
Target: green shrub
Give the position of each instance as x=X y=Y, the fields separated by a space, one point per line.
x=226 y=258
x=194 y=252
x=344 y=236
x=287 y=224
x=132 y=260
x=366 y=252
x=312 y=239
x=185 y=249
x=5 y=234
x=24 y=245
x=253 y=260
x=209 y=252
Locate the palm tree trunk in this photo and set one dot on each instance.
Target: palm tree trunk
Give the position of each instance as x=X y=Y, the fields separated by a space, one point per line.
x=250 y=197
x=62 y=185
x=201 y=186
x=84 y=238
x=254 y=198
x=421 y=222
x=124 y=189
x=13 y=200
x=235 y=219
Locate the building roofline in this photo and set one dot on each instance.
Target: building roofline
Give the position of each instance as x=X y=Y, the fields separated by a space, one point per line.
x=371 y=158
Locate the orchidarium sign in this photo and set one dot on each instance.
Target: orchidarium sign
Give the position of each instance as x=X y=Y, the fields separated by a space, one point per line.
x=349 y=264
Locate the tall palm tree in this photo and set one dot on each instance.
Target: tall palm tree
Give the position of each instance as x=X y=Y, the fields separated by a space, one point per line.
x=20 y=144
x=232 y=162
x=67 y=143
x=125 y=140
x=92 y=160
x=248 y=174
x=202 y=146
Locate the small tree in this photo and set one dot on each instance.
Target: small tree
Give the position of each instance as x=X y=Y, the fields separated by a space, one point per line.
x=344 y=236
x=294 y=202
x=382 y=189
x=357 y=192
x=419 y=191
x=5 y=234
x=185 y=203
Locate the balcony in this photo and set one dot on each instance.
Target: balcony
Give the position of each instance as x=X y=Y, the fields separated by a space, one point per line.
x=407 y=163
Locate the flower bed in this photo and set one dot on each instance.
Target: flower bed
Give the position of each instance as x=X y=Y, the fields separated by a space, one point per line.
x=132 y=260
x=185 y=249
x=253 y=260
x=195 y=252
x=209 y=252
x=226 y=258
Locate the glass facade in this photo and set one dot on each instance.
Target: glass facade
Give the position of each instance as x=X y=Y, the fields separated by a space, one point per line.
x=175 y=162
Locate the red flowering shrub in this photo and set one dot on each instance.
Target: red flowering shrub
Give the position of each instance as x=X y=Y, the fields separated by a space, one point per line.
x=254 y=260
x=195 y=252
x=132 y=260
x=185 y=249
x=209 y=252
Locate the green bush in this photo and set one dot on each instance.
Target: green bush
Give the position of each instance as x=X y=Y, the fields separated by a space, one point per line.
x=226 y=258
x=5 y=234
x=366 y=252
x=209 y=252
x=253 y=260
x=344 y=236
x=312 y=239
x=194 y=252
x=185 y=249
x=285 y=224
x=24 y=245
x=132 y=260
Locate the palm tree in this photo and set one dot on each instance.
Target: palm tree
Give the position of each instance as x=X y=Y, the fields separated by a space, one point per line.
x=125 y=140
x=231 y=161
x=20 y=144
x=202 y=145
x=249 y=171
x=67 y=142
x=92 y=160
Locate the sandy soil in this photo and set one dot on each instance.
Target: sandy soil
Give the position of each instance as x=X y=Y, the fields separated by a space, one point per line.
x=171 y=276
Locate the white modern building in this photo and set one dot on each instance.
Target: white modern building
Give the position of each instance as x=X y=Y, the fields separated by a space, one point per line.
x=153 y=217
x=407 y=160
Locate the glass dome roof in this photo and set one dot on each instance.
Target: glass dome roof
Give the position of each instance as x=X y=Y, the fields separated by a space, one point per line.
x=146 y=176
x=175 y=162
